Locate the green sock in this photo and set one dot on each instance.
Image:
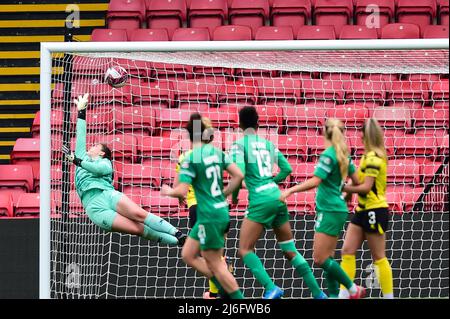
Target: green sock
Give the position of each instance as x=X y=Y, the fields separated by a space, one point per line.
x=254 y=264
x=237 y=294
x=338 y=274
x=333 y=285
x=163 y=238
x=302 y=268
x=222 y=292
x=159 y=224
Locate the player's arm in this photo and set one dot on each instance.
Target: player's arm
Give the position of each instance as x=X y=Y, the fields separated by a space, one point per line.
x=372 y=170
x=237 y=156
x=285 y=167
x=185 y=177
x=235 y=181
x=80 y=147
x=310 y=183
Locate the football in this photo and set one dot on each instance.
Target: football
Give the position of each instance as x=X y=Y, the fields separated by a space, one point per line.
x=116 y=76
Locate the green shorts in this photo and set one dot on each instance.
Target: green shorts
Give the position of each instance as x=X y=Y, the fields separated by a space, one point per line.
x=272 y=214
x=210 y=235
x=102 y=208
x=330 y=223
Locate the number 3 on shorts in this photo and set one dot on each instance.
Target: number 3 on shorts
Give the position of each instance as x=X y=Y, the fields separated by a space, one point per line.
x=372 y=218
x=201 y=234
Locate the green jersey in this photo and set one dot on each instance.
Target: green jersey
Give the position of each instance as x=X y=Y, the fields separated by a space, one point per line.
x=203 y=169
x=256 y=156
x=93 y=173
x=329 y=196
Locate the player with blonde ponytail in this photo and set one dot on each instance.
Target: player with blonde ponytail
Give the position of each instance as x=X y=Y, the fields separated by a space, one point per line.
x=371 y=219
x=332 y=170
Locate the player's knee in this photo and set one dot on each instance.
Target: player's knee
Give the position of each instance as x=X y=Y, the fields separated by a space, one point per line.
x=347 y=250
x=289 y=255
x=319 y=258
x=244 y=251
x=378 y=255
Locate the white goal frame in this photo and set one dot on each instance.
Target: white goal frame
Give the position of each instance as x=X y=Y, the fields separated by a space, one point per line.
x=47 y=48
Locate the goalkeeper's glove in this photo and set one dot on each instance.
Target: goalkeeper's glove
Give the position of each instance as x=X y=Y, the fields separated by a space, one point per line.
x=81 y=103
x=70 y=156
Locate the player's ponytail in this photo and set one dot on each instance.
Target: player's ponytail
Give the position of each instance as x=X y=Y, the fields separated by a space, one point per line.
x=200 y=129
x=334 y=132
x=107 y=151
x=373 y=138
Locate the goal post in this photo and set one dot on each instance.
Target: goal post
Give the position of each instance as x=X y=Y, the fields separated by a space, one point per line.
x=355 y=57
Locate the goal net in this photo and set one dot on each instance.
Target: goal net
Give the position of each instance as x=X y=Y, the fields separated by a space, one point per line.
x=294 y=91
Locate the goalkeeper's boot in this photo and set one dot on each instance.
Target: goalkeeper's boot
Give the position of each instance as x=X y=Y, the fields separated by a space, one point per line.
x=209 y=295
x=360 y=293
x=321 y=296
x=181 y=238
x=275 y=293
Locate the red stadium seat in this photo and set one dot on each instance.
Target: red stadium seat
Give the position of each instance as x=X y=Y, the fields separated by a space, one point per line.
x=107 y=35
x=395 y=202
x=28 y=205
x=435 y=32
x=352 y=115
x=6 y=205
x=323 y=89
x=365 y=90
x=302 y=203
x=155 y=146
x=292 y=145
x=270 y=116
x=355 y=32
x=124 y=147
x=274 y=33
x=407 y=90
x=147 y=174
x=431 y=118
x=172 y=118
x=301 y=171
x=400 y=31
x=191 y=34
x=168 y=14
x=208 y=14
x=316 y=32
x=403 y=171
x=289 y=13
x=149 y=35
x=336 y=13
x=26 y=150
x=374 y=13
x=133 y=119
x=232 y=33
x=251 y=13
x=198 y=90
x=272 y=90
x=153 y=93
x=443 y=12
x=439 y=90
x=393 y=117
x=16 y=176
x=194 y=107
x=304 y=116
x=223 y=117
x=410 y=145
x=419 y=12
x=102 y=93
x=238 y=92
x=57 y=120
x=152 y=200
x=125 y=14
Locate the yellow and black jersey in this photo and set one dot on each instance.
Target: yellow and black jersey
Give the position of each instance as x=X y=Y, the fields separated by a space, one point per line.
x=374 y=166
x=190 y=197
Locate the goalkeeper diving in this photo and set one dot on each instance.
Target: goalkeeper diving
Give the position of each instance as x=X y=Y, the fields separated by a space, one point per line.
x=107 y=208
